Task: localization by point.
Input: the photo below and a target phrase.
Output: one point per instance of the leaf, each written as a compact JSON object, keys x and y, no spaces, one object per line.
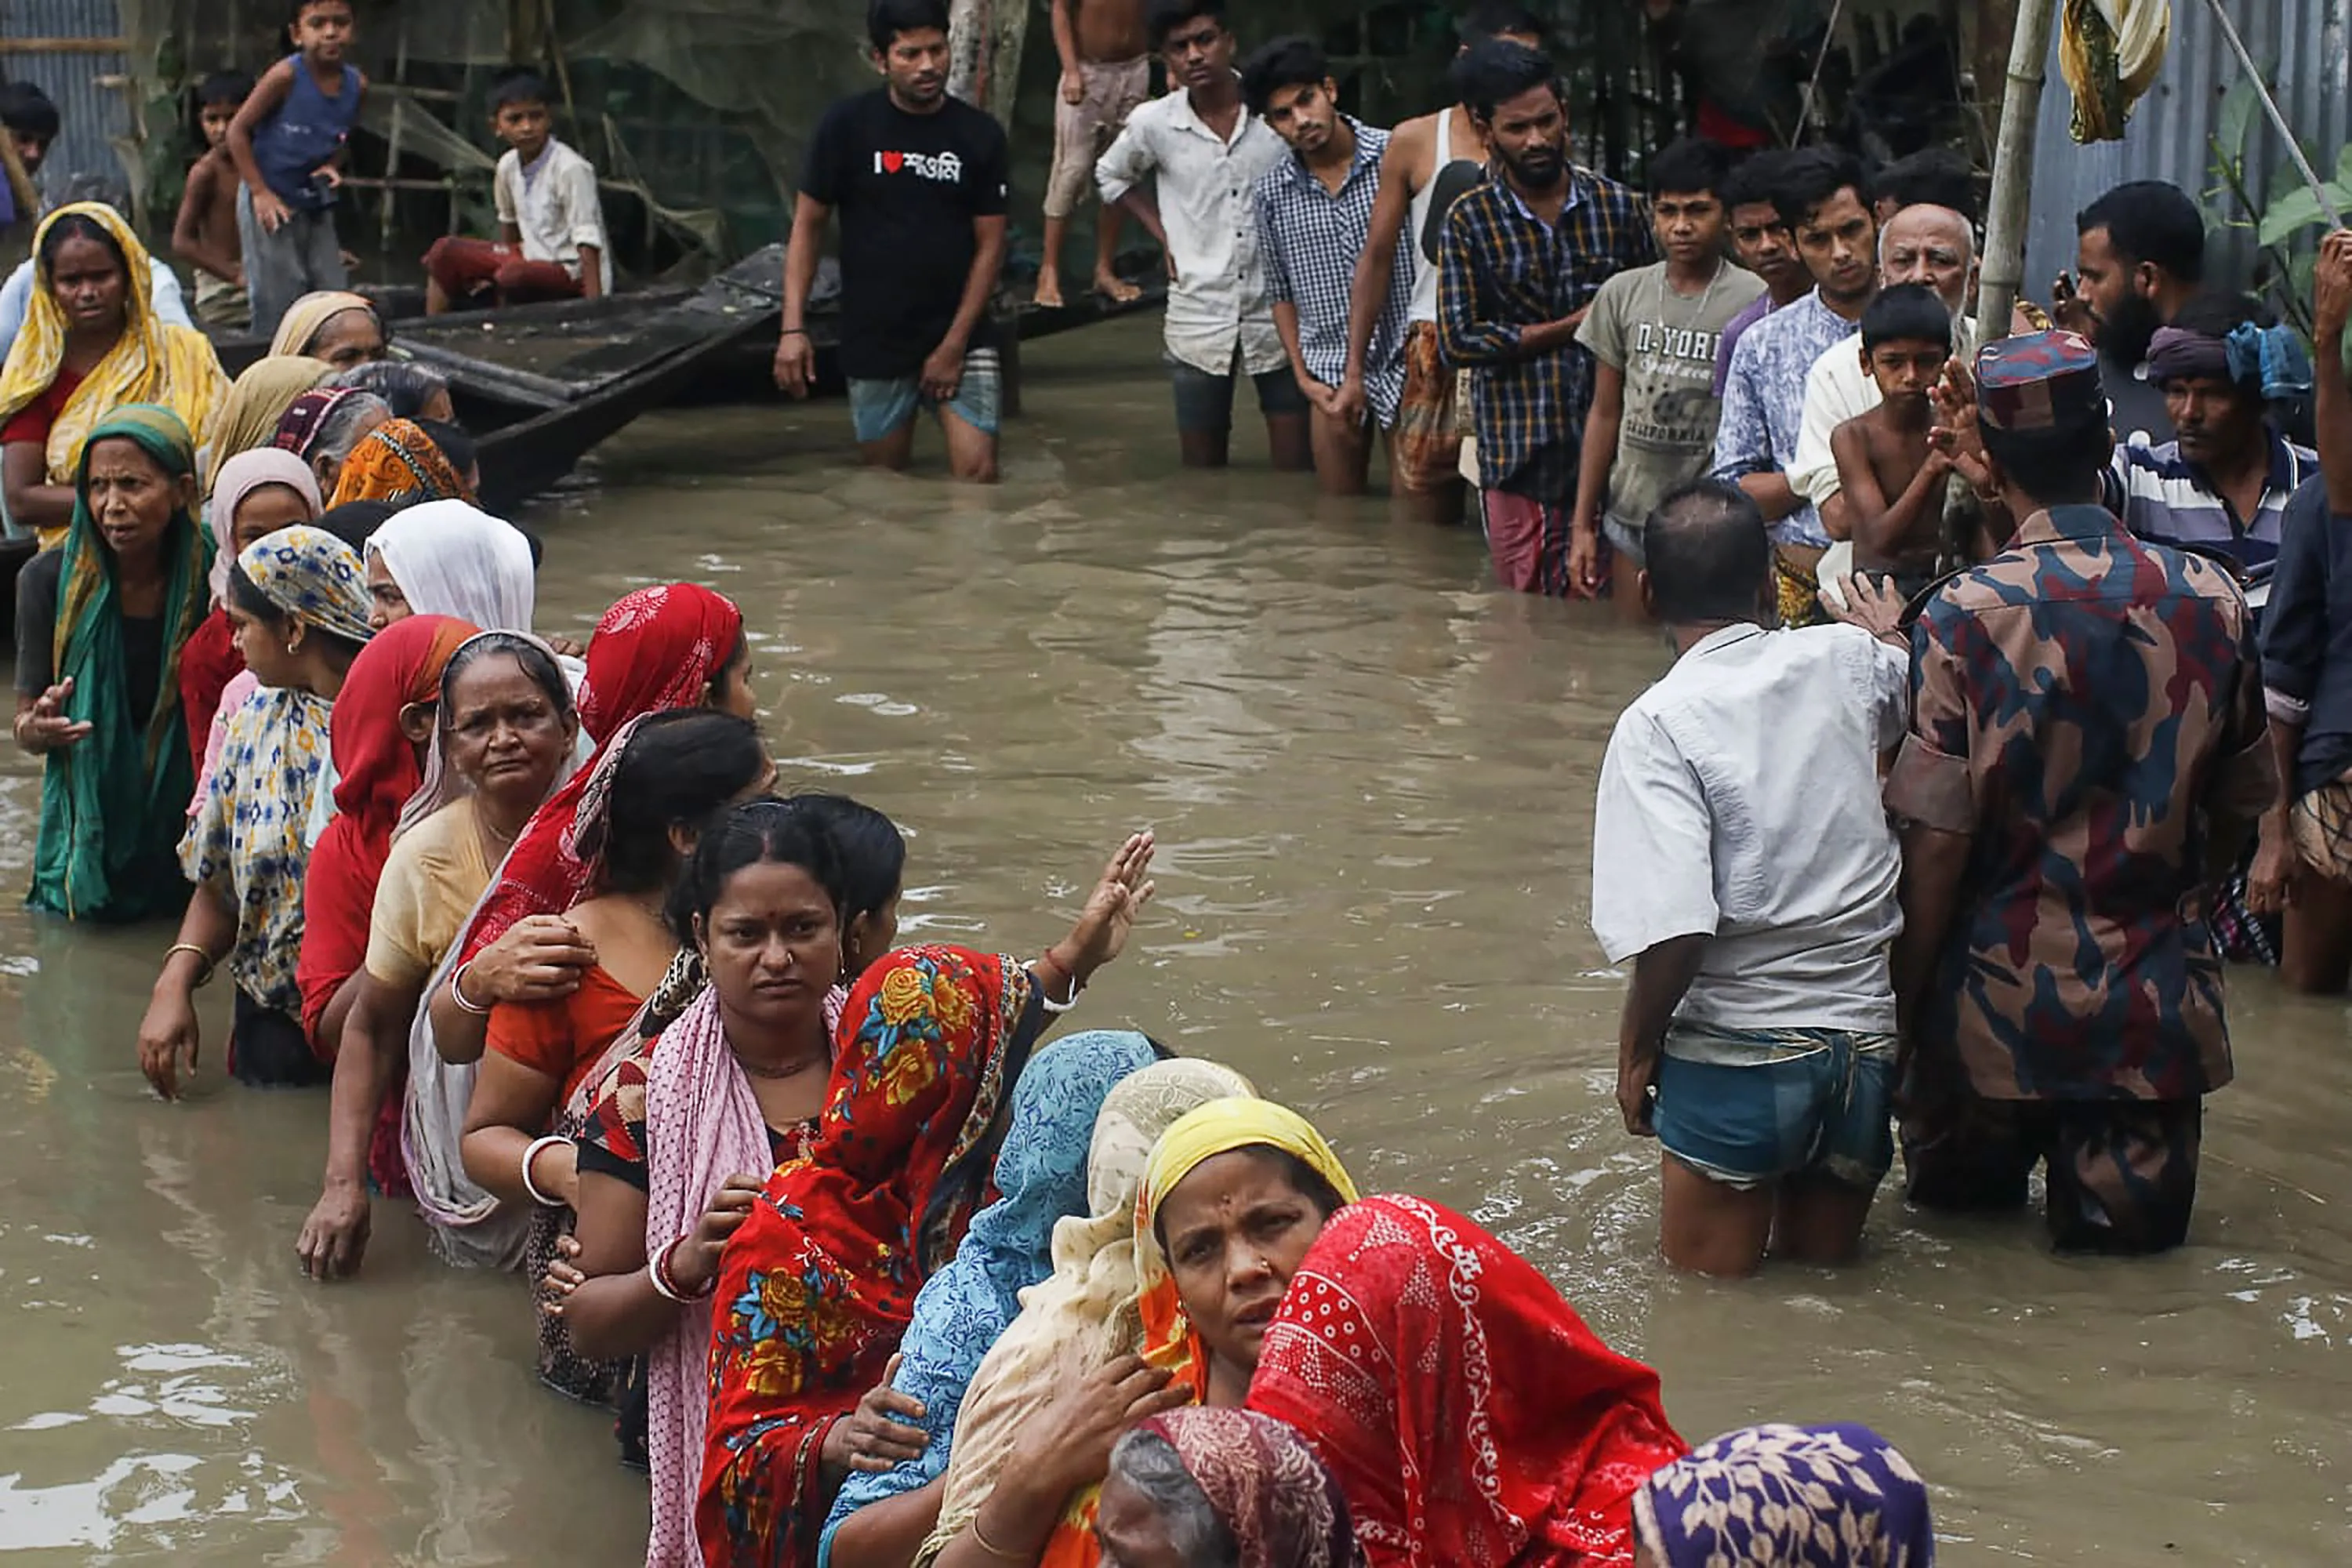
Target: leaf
{"x":2236,"y":117}
{"x":2343,"y":166}
{"x":2299,"y":209}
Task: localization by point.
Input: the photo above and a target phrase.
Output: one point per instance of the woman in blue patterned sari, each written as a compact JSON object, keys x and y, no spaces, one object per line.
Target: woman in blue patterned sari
{"x":299,"y":605}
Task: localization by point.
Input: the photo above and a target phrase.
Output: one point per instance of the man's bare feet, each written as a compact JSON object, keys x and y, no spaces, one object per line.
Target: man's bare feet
{"x":1049,"y":290}
{"x":1117,"y":289}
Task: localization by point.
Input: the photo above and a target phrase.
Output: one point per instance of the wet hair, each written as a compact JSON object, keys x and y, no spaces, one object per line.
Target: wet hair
{"x":405,"y":387}
{"x":1164,"y":16}
{"x":1910,"y":313}
{"x":1150,"y":1464}
{"x":2150,"y":220}
{"x":1750,"y":179}
{"x":456,"y":443}
{"x":341,"y":430}
{"x":1691,"y":167}
{"x":1286,"y":62}
{"x":1493,"y":18}
{"x":80,"y":225}
{"x":764,"y":831}
{"x":25,"y":109}
{"x":529,"y":652}
{"x":1934,"y":176}
{"x":1811,"y":177}
{"x":885,"y":19}
{"x":681,"y":769}
{"x":1707,"y":552}
{"x":248,"y":597}
{"x":873,"y":851}
{"x":355,"y":520}
{"x":1491,"y":73}
{"x":231,"y":87}
{"x":521,"y":85}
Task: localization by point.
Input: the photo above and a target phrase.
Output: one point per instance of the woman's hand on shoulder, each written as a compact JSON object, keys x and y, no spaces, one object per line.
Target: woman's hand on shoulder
{"x":44,"y":726}
{"x":540,"y":958}
{"x":876,"y":1437}
{"x":694,"y":1264}
{"x":1068,"y":1445}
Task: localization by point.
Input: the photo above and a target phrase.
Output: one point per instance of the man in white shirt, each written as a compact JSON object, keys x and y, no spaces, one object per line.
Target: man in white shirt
{"x":1742,"y":861}
{"x":1204,"y":150}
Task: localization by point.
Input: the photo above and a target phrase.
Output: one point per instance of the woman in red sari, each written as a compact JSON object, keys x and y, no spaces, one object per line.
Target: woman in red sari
{"x":1471,"y":1418}
{"x":676,"y":644}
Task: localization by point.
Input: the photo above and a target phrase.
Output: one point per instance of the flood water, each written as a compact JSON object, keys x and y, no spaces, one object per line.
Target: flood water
{"x":1371,"y":777}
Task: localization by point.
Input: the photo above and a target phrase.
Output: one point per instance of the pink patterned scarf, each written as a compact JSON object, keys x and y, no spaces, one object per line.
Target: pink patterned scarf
{"x":703,"y":1125}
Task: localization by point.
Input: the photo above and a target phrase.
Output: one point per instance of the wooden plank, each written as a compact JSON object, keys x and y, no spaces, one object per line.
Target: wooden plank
{"x":63,"y":46}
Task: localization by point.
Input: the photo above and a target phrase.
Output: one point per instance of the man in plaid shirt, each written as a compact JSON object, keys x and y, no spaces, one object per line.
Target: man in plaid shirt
{"x":1313,"y":218}
{"x":1523,"y":257}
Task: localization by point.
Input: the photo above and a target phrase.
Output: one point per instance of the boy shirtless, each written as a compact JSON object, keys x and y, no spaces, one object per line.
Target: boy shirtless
{"x":1893,"y":479}
{"x":205,"y":233}
{"x":1105,"y":75}
{"x":1428,"y":435}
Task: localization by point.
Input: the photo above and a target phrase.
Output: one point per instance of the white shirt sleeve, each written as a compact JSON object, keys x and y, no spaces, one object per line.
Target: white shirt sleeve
{"x":583,"y":206}
{"x":1813,"y":473}
{"x":1128,"y":162}
{"x":1885,"y":673}
{"x":503,"y":194}
{"x":1653,"y":845}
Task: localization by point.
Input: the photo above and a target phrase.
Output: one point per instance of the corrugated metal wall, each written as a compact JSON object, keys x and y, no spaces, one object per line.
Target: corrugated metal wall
{"x":2171,"y":131}
{"x":93,"y":112}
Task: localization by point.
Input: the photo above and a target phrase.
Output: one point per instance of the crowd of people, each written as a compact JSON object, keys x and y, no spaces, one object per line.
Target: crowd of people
{"x":869,"y":1270}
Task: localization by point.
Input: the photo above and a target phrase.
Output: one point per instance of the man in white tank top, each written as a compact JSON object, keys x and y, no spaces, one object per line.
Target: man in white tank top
{"x":1428,"y":435}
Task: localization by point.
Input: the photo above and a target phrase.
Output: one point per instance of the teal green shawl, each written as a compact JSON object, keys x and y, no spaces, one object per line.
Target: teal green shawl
{"x":113,"y":806}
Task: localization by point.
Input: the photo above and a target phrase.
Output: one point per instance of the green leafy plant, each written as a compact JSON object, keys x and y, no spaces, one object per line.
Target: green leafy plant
{"x":2280,"y":212}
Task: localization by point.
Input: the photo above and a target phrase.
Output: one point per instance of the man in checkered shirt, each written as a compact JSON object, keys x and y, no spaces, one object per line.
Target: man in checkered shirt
{"x":1313,"y":218}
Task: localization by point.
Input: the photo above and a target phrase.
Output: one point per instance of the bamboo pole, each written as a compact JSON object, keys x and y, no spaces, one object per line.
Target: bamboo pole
{"x":2278,"y":121}
{"x":2012,"y":167}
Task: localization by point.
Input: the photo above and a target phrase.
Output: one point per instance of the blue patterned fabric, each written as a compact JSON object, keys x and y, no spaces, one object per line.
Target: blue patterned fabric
{"x":1788,"y":1497}
{"x":1041,"y":1176}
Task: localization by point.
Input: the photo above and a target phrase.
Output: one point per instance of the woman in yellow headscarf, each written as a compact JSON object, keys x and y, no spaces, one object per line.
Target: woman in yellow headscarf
{"x":257,"y":399}
{"x":92,"y":344}
{"x":1235,"y":1192}
{"x":337,"y":329}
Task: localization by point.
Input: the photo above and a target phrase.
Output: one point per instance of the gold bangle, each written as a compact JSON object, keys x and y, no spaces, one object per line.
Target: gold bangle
{"x":204,"y":979}
{"x":980,"y":1539}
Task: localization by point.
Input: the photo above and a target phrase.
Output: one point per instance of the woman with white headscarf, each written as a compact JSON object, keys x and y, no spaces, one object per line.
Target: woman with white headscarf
{"x":450,"y":558}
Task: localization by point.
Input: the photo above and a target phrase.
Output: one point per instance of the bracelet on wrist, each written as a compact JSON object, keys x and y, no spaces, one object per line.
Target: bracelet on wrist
{"x":980,"y":1539}
{"x":457,"y":992}
{"x":530,"y":1155}
{"x":662,"y":1271}
{"x":794,"y":332}
{"x":204,"y":976}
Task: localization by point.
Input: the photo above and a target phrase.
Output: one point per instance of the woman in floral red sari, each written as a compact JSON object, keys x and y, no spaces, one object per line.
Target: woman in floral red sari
{"x":816,"y":1289}
{"x":1390,"y":1355}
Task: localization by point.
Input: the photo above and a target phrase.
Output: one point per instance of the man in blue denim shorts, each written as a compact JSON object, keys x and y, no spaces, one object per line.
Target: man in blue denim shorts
{"x":1742,"y":861}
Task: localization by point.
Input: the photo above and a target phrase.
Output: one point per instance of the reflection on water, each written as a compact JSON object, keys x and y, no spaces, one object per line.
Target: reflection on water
{"x":1372,"y":780}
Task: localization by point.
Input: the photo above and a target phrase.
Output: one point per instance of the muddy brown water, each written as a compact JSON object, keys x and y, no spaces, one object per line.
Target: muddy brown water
{"x":1372,"y":780}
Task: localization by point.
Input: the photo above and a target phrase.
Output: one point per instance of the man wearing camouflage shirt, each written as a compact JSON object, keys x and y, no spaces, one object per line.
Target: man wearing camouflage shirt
{"x":2087,"y":746}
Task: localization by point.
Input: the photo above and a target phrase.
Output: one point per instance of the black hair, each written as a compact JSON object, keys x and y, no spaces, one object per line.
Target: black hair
{"x":355,"y":520}
{"x":763,"y":832}
{"x":529,"y":652}
{"x":681,"y":769}
{"x":224,"y":86}
{"x":294,"y":9}
{"x":1933,"y":176}
{"x":1810,"y":176}
{"x":25,"y":109}
{"x":2150,"y":220}
{"x":737,"y":657}
{"x":456,"y":443}
{"x":248,"y":597}
{"x":885,"y":19}
{"x":2056,"y":465}
{"x":406,"y":385}
{"x":873,"y":851}
{"x":1691,"y":167}
{"x":1707,"y":553}
{"x":1164,"y":16}
{"x":1499,"y":70}
{"x":1493,"y":18}
{"x":1909,"y":312}
{"x":1305,"y":1179}
{"x":1751,"y":178}
{"x":2218,"y":313}
{"x":80,"y":225}
{"x":521,"y":85}
{"x":1286,"y":62}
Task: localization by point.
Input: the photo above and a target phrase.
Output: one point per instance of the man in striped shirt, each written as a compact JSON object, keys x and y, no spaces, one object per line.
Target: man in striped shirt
{"x":1314,"y":216}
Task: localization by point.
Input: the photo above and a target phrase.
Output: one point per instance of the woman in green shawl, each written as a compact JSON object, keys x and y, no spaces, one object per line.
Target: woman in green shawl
{"x":101,"y":621}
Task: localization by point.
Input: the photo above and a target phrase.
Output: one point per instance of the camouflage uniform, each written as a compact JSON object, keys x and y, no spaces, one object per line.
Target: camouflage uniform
{"x":2084,"y":705}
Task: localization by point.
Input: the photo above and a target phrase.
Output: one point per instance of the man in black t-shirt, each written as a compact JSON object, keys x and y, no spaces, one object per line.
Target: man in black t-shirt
{"x":920,"y":181}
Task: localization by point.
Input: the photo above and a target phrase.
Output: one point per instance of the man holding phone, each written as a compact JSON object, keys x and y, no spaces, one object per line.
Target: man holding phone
{"x":2139,"y":255}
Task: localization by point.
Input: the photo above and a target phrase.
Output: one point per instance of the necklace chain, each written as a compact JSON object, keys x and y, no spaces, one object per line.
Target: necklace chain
{"x":1699,"y":312}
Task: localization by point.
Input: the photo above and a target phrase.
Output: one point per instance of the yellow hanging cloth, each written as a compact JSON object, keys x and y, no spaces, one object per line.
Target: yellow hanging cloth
{"x":2110,"y":52}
